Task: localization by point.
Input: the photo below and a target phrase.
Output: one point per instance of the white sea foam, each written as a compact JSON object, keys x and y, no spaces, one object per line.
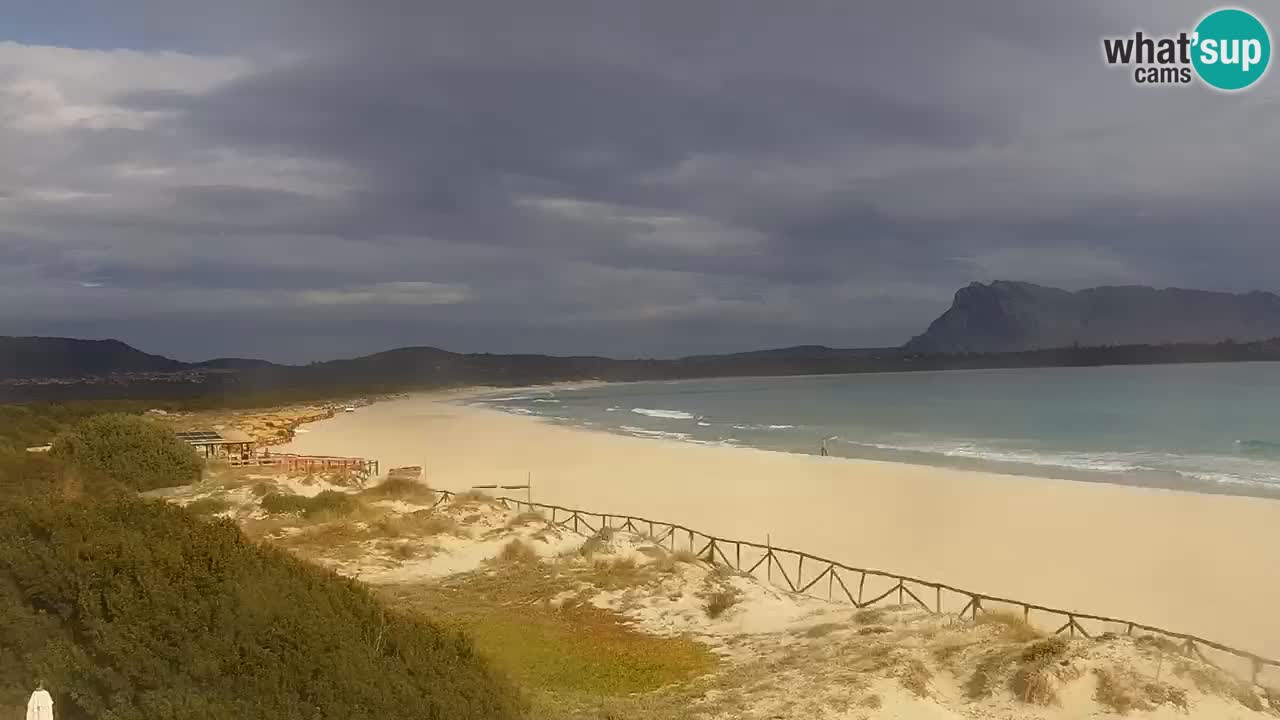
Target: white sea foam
{"x":780,"y":427}
{"x":545,"y":400}
{"x":643,"y":432}
{"x":704,"y":424}
{"x":660,"y":413}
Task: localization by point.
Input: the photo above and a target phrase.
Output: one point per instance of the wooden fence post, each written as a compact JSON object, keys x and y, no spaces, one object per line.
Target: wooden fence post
{"x":768,"y":561}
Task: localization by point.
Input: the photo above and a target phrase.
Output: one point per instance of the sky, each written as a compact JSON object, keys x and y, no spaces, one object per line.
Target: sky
{"x":308,"y":179}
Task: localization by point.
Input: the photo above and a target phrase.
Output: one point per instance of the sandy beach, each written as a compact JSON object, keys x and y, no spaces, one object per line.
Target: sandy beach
{"x":1183,"y":561}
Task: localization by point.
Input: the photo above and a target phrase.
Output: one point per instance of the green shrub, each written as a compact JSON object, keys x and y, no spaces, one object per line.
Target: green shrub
{"x":24,"y":426}
{"x":208,"y":506}
{"x":719,"y":602}
{"x":329,"y":502}
{"x":332,"y":503}
{"x":131,"y":609}
{"x":127,"y":450}
{"x":401,"y":488}
{"x":280,"y":504}
{"x":24,"y":473}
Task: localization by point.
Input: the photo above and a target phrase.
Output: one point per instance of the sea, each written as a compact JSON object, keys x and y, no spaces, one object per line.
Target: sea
{"x":1211,"y":428}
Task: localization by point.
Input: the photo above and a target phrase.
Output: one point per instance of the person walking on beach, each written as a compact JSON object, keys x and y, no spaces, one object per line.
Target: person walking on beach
{"x":40,"y":706}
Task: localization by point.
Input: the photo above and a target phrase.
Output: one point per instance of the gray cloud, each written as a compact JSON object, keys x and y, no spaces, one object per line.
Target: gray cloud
{"x":315,"y":179}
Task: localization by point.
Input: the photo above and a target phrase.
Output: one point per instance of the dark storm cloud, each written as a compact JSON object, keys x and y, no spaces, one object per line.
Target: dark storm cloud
{"x":621,"y":178}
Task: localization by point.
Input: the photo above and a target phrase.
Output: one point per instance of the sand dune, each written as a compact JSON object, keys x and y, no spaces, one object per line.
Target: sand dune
{"x":1194,"y":563}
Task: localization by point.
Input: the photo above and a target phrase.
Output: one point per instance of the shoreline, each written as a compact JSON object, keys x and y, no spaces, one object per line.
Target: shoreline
{"x":1168,"y":558}
{"x":1148,"y":479}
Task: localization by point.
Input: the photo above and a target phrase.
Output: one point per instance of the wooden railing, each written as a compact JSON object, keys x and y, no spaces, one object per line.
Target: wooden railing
{"x":289,"y":462}
{"x":804,"y":573}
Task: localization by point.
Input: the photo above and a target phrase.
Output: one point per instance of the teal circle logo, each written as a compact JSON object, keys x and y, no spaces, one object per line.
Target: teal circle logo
{"x":1232,"y":49}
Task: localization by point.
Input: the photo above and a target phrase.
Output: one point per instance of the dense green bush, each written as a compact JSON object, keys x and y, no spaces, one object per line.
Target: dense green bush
{"x":135,"y":610}
{"x":208,"y":506}
{"x":275,"y":503}
{"x":128,"y":450}
{"x":24,"y":473}
{"x":329,"y":502}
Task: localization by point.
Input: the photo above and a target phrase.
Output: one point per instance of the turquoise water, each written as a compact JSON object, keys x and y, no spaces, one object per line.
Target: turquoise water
{"x":1206,"y":428}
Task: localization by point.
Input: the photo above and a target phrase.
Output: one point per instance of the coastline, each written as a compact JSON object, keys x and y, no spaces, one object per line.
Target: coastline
{"x":1164,"y":557}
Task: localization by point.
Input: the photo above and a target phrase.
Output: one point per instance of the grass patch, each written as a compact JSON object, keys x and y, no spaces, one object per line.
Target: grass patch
{"x":611,"y":574}
{"x":1213,"y":681}
{"x":400,"y":488}
{"x":597,"y":543}
{"x":327,"y":536}
{"x":1120,"y":692}
{"x":528,"y":517}
{"x":275,"y":503}
{"x":948,"y":653}
{"x":1047,"y":650}
{"x":1125,"y":691}
{"x":987,"y":676}
{"x":518,"y":551}
{"x":587,"y":650}
{"x":262,"y":488}
{"x":684,"y":556}
{"x":577,"y":654}
{"x":403,"y":551}
{"x":822,"y":630}
{"x":718,"y":603}
{"x":871,"y":702}
{"x":329,"y":504}
{"x":420,"y":523}
{"x":869,"y":616}
{"x":1010,"y":626}
{"x":207,"y":506}
{"x":1030,"y":671}
{"x":914,"y":675}
{"x":1035,"y":685}
{"x":1159,"y":643}
{"x":668,"y":563}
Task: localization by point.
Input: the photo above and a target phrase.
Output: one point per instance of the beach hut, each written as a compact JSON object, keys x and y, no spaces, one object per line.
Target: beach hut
{"x":229,"y":443}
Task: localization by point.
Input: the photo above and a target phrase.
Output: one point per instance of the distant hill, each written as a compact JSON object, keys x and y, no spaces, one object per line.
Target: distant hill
{"x":1000,"y":325}
{"x":32,"y":357}
{"x":1014,"y":316}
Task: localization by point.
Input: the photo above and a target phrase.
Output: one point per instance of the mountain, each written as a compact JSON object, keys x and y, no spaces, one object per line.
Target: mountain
{"x":1000,"y":325}
{"x":33,"y":357}
{"x":1008,"y":316}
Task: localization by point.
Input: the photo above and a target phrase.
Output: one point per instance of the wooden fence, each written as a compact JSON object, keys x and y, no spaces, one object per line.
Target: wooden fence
{"x":803,"y":573}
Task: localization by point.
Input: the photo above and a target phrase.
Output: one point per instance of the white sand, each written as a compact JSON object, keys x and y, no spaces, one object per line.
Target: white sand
{"x":1195,"y":563}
